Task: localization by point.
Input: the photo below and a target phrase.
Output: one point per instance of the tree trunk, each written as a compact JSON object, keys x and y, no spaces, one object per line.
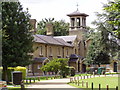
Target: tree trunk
{"x":5,"y":77}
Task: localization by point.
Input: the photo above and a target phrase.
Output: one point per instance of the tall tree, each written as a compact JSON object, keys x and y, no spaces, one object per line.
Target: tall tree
{"x":60,"y":27}
{"x":108,"y":44}
{"x":113,"y":11}
{"x":16,"y":38}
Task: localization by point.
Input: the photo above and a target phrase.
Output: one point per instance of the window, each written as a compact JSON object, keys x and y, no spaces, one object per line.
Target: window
{"x":58,"y":51}
{"x":40,"y":50}
{"x":50,"y":53}
{"x":67,"y":51}
{"x":75,"y":51}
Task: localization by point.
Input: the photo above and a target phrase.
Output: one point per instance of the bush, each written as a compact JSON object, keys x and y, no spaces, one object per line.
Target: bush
{"x":88,"y":69}
{"x":72,"y":69}
{"x":22,"y":69}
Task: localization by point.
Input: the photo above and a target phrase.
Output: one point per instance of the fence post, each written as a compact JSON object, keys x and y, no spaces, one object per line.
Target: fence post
{"x":34,"y":79}
{"x":78,"y":82}
{"x":74,"y":78}
{"x":87,"y":76}
{"x":84,"y":77}
{"x":30,"y":80}
{"x":92,"y":85}
{"x":46,"y":78}
{"x":78,"y":78}
{"x":26,"y":81}
{"x":86,"y":84}
{"x":82,"y":84}
{"x":39,"y":78}
{"x":107,"y":87}
{"x":99,"y":86}
{"x":116,"y":87}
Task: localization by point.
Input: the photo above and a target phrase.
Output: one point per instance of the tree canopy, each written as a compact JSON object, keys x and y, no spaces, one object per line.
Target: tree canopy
{"x":57,"y":65}
{"x":60,"y":28}
{"x":16,"y":37}
{"x":105,"y":42}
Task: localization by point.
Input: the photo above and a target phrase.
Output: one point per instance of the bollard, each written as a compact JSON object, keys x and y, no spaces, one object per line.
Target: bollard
{"x":70,"y":80}
{"x":34,"y":79}
{"x":75,"y":81}
{"x":81,"y":77}
{"x":87,"y":76}
{"x":82,"y":84}
{"x":46,"y":78}
{"x":78,"y":82}
{"x":86,"y":84}
{"x":74,"y":78}
{"x":92,"y":86}
{"x":22,"y":85}
{"x":99,"y":86}
{"x":107,"y":87}
{"x":26,"y":81}
{"x":77,"y":78}
{"x":116,"y":87}
{"x":38,"y":78}
{"x":30,"y":80}
{"x":84,"y":77}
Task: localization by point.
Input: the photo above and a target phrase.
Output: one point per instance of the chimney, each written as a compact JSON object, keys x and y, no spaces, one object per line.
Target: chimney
{"x":33,"y":24}
{"x":49,"y":29}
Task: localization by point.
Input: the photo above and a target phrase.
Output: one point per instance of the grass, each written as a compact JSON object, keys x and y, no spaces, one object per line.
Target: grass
{"x":111,"y":81}
{"x":82,"y":75}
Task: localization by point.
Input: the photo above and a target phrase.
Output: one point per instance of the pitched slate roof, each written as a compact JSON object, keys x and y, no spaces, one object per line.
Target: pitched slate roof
{"x":77,"y":13}
{"x":67,"y":38}
{"x":50,"y":40}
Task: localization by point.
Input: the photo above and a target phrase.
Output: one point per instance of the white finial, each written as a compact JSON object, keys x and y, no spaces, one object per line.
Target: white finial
{"x":77,"y":6}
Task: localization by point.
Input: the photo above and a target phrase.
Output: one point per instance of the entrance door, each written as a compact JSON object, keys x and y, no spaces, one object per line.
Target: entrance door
{"x":115,"y":67}
{"x":83,"y":68}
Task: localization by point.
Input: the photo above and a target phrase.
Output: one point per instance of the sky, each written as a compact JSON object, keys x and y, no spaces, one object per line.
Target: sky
{"x":58,"y":9}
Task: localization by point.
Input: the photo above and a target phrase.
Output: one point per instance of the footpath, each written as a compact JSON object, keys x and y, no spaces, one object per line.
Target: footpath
{"x":55,"y":84}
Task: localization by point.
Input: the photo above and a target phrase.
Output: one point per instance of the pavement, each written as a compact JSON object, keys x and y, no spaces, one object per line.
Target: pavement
{"x":55,"y":84}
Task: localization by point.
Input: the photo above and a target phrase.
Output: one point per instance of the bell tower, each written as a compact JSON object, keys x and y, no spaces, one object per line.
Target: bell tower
{"x":77,"y":23}
{"x":78,"y":28}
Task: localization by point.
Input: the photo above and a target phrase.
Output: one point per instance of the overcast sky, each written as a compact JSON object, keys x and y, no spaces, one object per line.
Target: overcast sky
{"x":40,"y":9}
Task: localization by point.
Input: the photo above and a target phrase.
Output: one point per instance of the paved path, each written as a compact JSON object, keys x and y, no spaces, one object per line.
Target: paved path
{"x":55,"y":84}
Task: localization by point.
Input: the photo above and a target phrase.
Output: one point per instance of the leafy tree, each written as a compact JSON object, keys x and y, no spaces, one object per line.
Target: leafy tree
{"x":57,"y":65}
{"x":17,"y":40}
{"x":113,"y":11}
{"x":106,"y":45}
{"x":60,"y":27}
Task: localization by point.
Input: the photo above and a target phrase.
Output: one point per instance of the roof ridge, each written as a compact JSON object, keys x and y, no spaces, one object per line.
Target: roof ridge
{"x":41,"y":39}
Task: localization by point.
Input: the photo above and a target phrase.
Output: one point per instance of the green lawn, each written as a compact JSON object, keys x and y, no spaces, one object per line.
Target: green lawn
{"x":111,"y":81}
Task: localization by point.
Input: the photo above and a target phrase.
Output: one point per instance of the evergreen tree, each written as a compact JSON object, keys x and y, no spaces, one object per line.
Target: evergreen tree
{"x":16,"y":37}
